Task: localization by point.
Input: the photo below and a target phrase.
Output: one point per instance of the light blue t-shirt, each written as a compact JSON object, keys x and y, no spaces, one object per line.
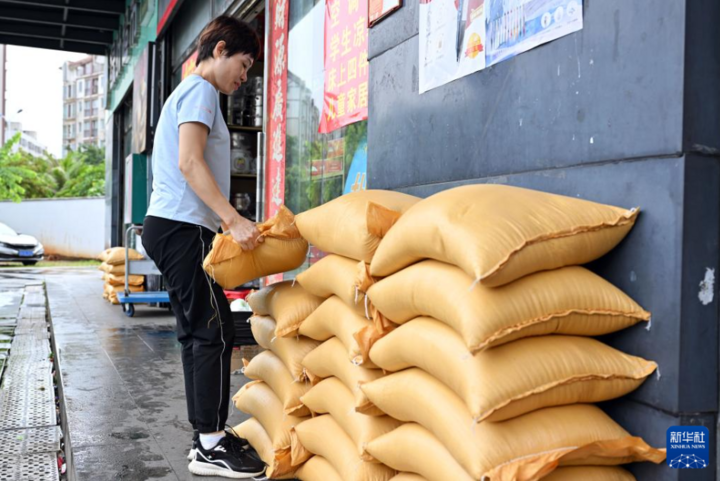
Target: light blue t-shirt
{"x":194,"y":100}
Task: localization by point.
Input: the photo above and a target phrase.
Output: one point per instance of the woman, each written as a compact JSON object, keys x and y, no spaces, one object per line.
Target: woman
{"x":189,"y":204}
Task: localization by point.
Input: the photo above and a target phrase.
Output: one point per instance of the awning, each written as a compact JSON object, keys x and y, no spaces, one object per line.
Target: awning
{"x":84,"y":26}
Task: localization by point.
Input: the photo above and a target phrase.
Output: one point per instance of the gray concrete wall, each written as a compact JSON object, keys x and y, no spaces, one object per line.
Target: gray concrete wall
{"x":67,"y":227}
{"x":623,"y":112}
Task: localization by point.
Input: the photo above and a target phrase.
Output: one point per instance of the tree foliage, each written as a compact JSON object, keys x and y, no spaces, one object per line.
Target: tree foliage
{"x":80,"y":173}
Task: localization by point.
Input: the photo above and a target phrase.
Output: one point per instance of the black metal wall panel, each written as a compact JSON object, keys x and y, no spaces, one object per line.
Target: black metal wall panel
{"x":612,"y":91}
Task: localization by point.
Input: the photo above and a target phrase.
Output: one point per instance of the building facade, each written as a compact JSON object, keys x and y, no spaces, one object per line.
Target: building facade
{"x":28,"y":139}
{"x":84,"y":102}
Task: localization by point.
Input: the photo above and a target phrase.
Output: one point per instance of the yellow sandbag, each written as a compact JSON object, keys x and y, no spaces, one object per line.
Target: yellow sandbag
{"x":286,"y":302}
{"x":116,"y":256}
{"x":590,"y":473}
{"x":282,"y":250}
{"x":278,"y":461}
{"x":323,"y":436}
{"x":109,"y":288}
{"x":353,"y":225}
{"x":317,"y":469}
{"x":118,"y":270}
{"x":102,"y":257}
{"x":259,"y":401}
{"x":516,"y":378}
{"x":335,"y":318}
{"x":330,"y":359}
{"x":332,"y":275}
{"x":414,"y":449}
{"x":290,"y":350}
{"x":425,"y":453}
{"x":269,"y":368}
{"x":571,"y":301}
{"x":332,"y":397}
{"x":119,"y":280}
{"x":480,"y":448}
{"x":498,"y":233}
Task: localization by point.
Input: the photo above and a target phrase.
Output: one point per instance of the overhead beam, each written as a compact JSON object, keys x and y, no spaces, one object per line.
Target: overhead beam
{"x":51,"y":44}
{"x":55,"y":32}
{"x":55,"y":17}
{"x":99,"y":6}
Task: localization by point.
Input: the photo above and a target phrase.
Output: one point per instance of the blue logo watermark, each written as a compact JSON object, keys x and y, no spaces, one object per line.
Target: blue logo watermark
{"x":688,"y":447}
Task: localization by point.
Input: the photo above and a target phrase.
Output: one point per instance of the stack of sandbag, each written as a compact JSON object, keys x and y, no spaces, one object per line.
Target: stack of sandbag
{"x":113,"y":268}
{"x":492,"y":368}
{"x":283,"y":249}
{"x":348,"y":229}
{"x":279,"y":379}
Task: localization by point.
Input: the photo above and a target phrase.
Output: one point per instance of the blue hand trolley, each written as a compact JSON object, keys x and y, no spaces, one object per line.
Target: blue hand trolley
{"x":142,"y":268}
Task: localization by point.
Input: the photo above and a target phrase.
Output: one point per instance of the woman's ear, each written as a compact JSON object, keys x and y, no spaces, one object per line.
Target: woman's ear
{"x":219,"y":49}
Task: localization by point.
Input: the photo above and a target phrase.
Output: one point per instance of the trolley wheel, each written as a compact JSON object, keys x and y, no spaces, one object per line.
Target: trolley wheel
{"x":128,"y":309}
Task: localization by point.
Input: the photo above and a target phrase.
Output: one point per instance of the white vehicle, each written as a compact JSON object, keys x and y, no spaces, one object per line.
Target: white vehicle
{"x":15,"y":247}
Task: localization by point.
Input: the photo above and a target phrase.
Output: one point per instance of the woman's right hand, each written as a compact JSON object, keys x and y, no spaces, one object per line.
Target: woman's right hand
{"x":245,"y":233}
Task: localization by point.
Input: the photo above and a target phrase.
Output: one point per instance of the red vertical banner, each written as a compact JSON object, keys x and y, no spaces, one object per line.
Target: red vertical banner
{"x":346,"y":65}
{"x":277,"y":107}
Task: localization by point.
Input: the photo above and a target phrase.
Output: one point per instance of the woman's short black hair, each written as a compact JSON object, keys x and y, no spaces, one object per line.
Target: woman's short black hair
{"x":239,"y":37}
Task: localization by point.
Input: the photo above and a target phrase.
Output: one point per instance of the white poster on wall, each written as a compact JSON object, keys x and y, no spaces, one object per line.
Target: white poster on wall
{"x":452,"y":40}
{"x":460,"y":37}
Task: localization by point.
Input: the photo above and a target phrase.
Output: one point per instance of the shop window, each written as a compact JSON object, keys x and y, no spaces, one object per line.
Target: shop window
{"x":317,"y":165}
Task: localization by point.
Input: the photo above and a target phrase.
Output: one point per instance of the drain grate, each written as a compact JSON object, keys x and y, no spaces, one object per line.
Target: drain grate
{"x":27,"y":408}
{"x":17,"y":442}
{"x":32,"y":467}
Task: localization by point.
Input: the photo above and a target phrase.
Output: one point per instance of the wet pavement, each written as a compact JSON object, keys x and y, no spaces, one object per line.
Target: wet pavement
{"x":123,"y":380}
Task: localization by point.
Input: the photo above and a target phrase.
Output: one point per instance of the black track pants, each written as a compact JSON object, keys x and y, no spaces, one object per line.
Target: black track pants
{"x":205,"y":327}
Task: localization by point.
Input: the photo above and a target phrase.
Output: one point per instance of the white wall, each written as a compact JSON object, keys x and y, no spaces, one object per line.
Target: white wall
{"x":67,"y":227}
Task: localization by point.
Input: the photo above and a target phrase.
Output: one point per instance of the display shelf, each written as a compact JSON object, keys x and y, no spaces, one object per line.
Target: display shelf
{"x":240,"y":128}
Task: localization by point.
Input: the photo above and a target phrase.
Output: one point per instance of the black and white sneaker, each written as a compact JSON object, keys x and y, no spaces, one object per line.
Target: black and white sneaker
{"x":195,"y":442}
{"x":227,"y":460}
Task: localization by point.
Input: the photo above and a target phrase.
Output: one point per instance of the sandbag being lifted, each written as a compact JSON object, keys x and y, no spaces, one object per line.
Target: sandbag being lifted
{"x":516,"y":378}
{"x":571,"y":301}
{"x":283,"y":249}
{"x":535,"y":440}
{"x":353,"y":225}
{"x":287,"y":303}
{"x":498,"y":233}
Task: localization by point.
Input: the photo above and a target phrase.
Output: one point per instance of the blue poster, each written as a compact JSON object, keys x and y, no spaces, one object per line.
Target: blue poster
{"x":357,"y":175}
{"x":516,"y":26}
